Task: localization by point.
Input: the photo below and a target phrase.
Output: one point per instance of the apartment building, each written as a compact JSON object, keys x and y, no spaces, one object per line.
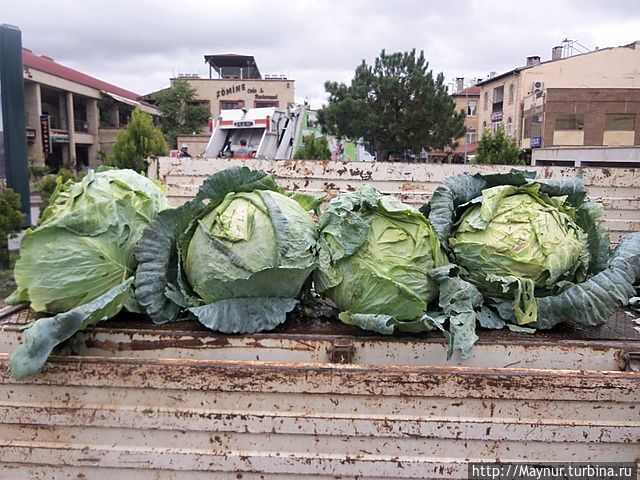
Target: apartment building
{"x":467,"y":100}
{"x":538,"y":102}
{"x":72,"y":118}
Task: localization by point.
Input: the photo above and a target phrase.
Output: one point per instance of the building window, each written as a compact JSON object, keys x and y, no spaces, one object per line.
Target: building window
{"x":231,"y":104}
{"x":267,"y":103}
{"x":471,"y":137}
{"x":569,"y":121}
{"x":621,"y":122}
{"x":486,"y":100}
{"x":471,"y":108}
{"x":498,"y":97}
{"x":532,"y":126}
{"x":509,"y":126}
{"x":512,"y":92}
{"x":484,"y":125}
{"x":495,"y":126}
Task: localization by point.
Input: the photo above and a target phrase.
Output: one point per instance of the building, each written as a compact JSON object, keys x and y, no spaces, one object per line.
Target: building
{"x":607,"y":117}
{"x":239,"y":84}
{"x":72,"y":118}
{"x":466,"y":100}
{"x":601,"y":84}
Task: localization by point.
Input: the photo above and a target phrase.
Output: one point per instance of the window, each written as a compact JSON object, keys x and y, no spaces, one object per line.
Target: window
{"x":621,"y":122}
{"x":512,"y":92}
{"x":484,"y":125}
{"x":486,"y":100}
{"x":498,"y":97}
{"x":471,"y":137}
{"x":496,"y":126}
{"x":569,"y":121}
{"x":532,"y":126}
{"x":471,"y":108}
{"x":267,"y":103}
{"x":231,"y":104}
{"x":509,"y":126}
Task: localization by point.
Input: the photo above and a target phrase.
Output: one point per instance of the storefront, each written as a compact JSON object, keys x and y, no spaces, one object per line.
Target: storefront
{"x":240,"y":85}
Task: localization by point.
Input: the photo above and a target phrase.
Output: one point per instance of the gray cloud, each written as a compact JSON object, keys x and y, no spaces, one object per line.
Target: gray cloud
{"x":140,"y":45}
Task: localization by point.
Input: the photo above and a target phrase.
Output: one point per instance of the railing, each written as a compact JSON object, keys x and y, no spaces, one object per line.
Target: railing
{"x":54,"y":122}
{"x":80,"y":126}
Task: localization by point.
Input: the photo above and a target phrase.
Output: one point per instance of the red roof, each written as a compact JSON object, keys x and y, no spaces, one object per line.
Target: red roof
{"x":48,"y":65}
{"x":471,"y":148}
{"x":468,"y":91}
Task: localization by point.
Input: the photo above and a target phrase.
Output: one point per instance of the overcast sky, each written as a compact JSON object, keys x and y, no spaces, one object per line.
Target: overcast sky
{"x":139,"y":45}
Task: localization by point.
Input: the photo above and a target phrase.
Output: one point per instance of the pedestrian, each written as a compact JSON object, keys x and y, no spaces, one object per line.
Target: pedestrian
{"x":184,"y":151}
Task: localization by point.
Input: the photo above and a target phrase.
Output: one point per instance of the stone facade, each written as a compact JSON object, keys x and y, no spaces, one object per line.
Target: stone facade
{"x":610,"y":68}
{"x":248,"y":93}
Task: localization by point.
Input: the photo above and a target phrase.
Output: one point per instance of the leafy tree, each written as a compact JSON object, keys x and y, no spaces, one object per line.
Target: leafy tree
{"x":313,"y":149}
{"x":396,"y":104}
{"x":139,"y":141}
{"x":11,"y":218}
{"x":181,"y":113}
{"x":497,"y":149}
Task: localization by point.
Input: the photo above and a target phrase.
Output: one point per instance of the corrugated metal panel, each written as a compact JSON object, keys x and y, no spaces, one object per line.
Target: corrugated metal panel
{"x":181,"y":402}
{"x":616,"y":188}
{"x":300,"y":419}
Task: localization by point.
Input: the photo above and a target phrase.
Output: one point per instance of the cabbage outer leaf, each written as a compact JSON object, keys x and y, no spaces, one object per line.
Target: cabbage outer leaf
{"x":45,"y":333}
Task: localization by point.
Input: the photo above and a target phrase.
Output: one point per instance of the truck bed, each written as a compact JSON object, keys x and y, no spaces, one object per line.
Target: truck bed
{"x":316,"y":398}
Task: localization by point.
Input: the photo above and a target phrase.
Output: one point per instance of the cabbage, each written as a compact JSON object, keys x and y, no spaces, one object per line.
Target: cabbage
{"x":235,"y":257}
{"x":79,"y":262}
{"x":381,"y":263}
{"x":517,"y":241}
{"x":537,"y":250}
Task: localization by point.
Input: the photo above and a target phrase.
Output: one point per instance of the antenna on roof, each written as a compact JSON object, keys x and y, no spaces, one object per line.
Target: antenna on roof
{"x":572,"y":47}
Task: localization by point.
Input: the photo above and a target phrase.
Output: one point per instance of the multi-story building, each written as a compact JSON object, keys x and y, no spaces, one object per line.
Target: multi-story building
{"x":466,"y":100}
{"x":72,"y":118}
{"x":594,"y":91}
{"x":239,"y":85}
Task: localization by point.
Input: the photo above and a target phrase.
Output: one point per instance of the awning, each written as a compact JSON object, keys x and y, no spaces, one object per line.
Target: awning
{"x":133,"y":103}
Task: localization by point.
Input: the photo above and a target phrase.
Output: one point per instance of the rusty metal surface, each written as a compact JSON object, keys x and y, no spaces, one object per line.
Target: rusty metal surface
{"x":135,"y":400}
{"x":276,"y":418}
{"x":617,"y":189}
{"x":327,"y":340}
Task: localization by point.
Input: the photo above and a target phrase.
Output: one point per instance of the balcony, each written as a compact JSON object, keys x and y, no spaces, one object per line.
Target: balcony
{"x":55,"y":123}
{"x":80,"y":126}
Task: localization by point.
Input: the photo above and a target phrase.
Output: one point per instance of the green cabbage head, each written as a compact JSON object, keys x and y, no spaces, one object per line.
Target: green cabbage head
{"x":254,"y":244}
{"x":79,"y":262}
{"x":236,"y":257}
{"x":375,"y":253}
{"x":515,"y":243}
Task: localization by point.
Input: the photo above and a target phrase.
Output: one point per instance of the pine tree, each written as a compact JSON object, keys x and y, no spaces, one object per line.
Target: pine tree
{"x":396,"y":105}
{"x":497,"y":149}
{"x":135,"y":144}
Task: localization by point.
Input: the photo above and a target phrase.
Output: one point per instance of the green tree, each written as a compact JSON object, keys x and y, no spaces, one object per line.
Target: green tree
{"x":396,"y":104}
{"x":497,"y":149}
{"x":313,"y":149}
{"x":181,"y":112}
{"x":139,"y":141}
{"x":11,"y":218}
